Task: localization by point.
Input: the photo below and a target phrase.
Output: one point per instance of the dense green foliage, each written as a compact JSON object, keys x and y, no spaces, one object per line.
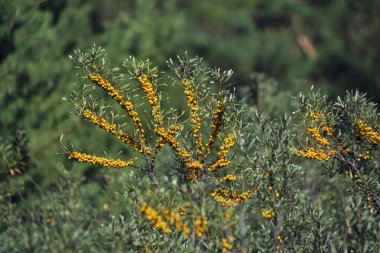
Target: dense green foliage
{"x":276,"y":49}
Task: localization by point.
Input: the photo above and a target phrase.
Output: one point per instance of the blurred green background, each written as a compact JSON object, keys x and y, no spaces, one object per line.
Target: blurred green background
{"x":331,"y":44}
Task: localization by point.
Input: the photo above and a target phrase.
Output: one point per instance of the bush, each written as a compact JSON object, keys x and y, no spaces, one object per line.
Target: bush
{"x":220,"y":176}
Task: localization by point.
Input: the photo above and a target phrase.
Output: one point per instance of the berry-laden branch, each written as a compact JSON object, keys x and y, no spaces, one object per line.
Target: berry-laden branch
{"x":346,"y":142}
{"x":198,"y":162}
{"x":200,"y":137}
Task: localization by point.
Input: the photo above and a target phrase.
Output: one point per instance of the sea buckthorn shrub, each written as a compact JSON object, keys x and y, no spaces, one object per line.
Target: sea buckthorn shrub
{"x":192,"y":148}
{"x":203,"y":172}
{"x":206,"y":172}
{"x":195,"y":178}
{"x":345,"y":137}
{"x":346,"y":173}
